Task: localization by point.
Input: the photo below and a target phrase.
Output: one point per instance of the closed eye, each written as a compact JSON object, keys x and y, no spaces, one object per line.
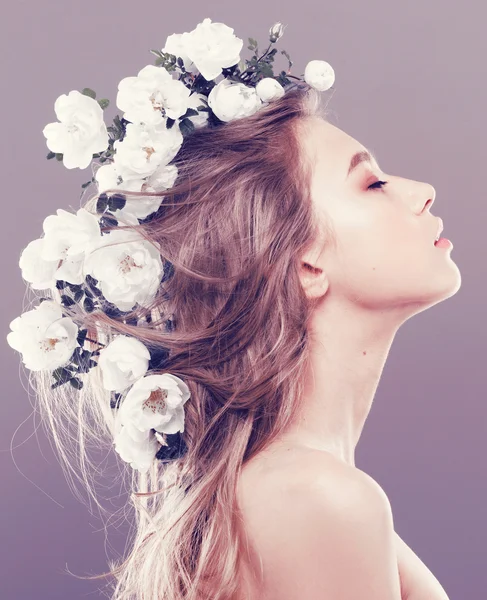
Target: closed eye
{"x":377,"y":185}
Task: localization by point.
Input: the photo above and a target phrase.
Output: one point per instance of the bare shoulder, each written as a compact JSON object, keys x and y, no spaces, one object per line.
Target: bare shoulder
{"x":319,"y":527}
{"x":293,"y":469}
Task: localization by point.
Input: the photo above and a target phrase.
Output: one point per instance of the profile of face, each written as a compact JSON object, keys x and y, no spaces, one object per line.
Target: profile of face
{"x":384,"y":258}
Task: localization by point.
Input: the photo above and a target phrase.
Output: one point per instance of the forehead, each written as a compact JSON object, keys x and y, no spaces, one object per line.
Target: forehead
{"x":328,"y":148}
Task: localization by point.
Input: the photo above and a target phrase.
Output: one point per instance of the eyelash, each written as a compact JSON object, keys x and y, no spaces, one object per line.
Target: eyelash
{"x":381,"y":184}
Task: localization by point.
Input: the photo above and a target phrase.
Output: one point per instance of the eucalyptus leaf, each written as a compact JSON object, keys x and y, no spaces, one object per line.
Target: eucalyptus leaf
{"x":104,"y":102}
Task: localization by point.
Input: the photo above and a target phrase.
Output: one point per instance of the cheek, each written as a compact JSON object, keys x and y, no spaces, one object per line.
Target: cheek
{"x":380,"y":263}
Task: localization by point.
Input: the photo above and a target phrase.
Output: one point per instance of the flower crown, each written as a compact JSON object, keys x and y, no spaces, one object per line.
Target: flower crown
{"x":77,"y":259}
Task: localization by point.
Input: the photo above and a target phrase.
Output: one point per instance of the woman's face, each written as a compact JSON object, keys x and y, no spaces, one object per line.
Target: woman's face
{"x":384,"y":253}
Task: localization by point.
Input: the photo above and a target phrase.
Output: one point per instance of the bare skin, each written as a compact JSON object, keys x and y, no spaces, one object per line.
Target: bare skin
{"x":383,"y":270}
{"x":268,"y":474}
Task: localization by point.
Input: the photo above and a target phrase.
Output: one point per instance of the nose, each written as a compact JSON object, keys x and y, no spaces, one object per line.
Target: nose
{"x":430,"y":195}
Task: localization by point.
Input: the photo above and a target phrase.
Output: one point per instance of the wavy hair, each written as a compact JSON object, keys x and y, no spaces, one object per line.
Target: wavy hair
{"x":232,"y":229}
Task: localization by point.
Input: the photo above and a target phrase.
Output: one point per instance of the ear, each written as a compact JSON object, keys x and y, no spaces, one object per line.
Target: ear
{"x":314,"y":280}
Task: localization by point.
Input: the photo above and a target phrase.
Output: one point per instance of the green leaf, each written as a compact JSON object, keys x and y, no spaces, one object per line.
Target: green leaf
{"x":265,"y":70}
{"x":66,"y":300}
{"x":191,"y":112}
{"x":76,"y":383}
{"x":78,"y":295}
{"x":102,"y":203}
{"x":59,"y":156}
{"x":82,"y":336}
{"x":88,"y":304}
{"x":180,"y":62}
{"x":116,"y":202}
{"x":89,"y":92}
{"x":61,"y":374}
{"x":51,"y":155}
{"x":156,"y":53}
{"x":186,"y":126}
{"x":104,"y":102}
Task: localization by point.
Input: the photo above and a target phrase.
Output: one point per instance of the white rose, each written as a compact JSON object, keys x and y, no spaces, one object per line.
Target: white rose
{"x":122,"y":362}
{"x":81,"y":132}
{"x":174,"y":45}
{"x":269,"y":89}
{"x":66,"y":236}
{"x":128,"y":268}
{"x":212,"y":47}
{"x":146,"y":149}
{"x":135,"y":447}
{"x":163,"y":178}
{"x":45,"y":338}
{"x":141,"y":207}
{"x":69,"y":234}
{"x":142,"y":97}
{"x":233,"y":100}
{"x":108,"y":178}
{"x":155,"y":402}
{"x":319,"y":74}
{"x":38,"y":272}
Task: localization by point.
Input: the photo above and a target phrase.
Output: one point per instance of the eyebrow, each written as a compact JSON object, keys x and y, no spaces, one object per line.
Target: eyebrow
{"x":359,"y":157}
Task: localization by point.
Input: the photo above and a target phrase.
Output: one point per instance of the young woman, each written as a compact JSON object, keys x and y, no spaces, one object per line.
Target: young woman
{"x":291,"y":260}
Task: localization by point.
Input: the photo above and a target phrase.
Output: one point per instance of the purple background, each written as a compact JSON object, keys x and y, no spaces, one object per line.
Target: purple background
{"x":411,"y":85}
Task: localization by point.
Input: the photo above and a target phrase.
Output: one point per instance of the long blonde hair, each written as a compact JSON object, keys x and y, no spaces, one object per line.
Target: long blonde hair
{"x":233,"y":228}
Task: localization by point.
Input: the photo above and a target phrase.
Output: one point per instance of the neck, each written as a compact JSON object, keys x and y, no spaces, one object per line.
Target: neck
{"x":349,"y":347}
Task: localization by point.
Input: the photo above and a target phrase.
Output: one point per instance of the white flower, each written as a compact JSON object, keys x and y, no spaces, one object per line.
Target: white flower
{"x":319,"y":75}
{"x":81,"y":132}
{"x":122,"y":362}
{"x":128,"y":268}
{"x":164,"y":178}
{"x":269,"y":89}
{"x":135,"y":447}
{"x":146,"y":149}
{"x":45,"y":338}
{"x":212,"y":47}
{"x":38,"y":272}
{"x":66,"y":236}
{"x":174,"y":45}
{"x":201,"y":118}
{"x":276,"y":32}
{"x":232,"y":100}
{"x":155,"y":402}
{"x":142,"y":97}
{"x":108,"y":177}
